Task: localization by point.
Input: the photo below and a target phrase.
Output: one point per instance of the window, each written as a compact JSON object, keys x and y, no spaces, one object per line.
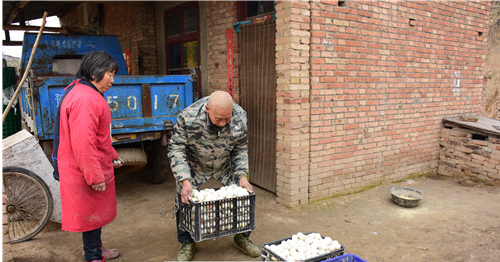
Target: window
{"x":66,"y":65}
{"x":249,"y":9}
{"x":182,"y":38}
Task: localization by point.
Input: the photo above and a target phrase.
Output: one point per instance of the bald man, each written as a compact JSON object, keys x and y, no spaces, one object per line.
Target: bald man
{"x":210,"y":140}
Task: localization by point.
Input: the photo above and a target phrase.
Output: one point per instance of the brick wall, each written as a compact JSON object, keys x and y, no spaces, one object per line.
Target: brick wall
{"x":221,"y":16}
{"x":383,"y":75}
{"x":134,"y":23}
{"x":469,"y":154}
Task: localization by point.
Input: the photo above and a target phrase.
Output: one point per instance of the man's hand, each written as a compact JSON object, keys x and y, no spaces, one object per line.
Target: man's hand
{"x":244,"y":183}
{"x":186,"y":191}
{"x":99,"y":187}
{"x":118,"y":162}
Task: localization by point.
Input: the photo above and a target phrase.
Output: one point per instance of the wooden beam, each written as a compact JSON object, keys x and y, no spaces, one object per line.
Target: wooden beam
{"x":7,"y":35}
{"x":33,"y":28}
{"x":12,"y":43}
{"x":16,"y":11}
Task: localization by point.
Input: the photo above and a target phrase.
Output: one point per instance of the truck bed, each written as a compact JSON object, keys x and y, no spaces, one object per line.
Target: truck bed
{"x":139,"y":104}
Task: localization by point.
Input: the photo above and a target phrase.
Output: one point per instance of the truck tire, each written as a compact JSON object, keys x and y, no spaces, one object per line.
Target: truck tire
{"x":158,"y":169}
{"x":133,"y":158}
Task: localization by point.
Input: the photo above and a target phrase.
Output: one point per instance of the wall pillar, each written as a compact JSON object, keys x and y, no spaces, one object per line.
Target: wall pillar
{"x":292,"y":101}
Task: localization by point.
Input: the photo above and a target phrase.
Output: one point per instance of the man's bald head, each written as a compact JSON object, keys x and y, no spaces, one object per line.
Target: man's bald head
{"x":220,"y":99}
{"x":220,"y":108}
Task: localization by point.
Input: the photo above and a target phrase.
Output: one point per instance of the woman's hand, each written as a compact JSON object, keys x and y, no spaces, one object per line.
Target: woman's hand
{"x":99,"y":187}
{"x":118,"y":162}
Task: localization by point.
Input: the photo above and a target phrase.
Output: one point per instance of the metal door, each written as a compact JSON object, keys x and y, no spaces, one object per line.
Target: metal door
{"x":258,"y":98}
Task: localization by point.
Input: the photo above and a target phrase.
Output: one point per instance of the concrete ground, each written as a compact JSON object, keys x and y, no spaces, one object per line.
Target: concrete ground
{"x":454,"y":222}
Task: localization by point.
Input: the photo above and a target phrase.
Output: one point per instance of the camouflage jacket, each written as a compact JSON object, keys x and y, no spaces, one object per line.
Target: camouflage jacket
{"x":198,"y":150}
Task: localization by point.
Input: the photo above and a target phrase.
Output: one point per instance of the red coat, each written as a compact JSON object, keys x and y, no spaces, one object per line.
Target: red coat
{"x":85,"y":158}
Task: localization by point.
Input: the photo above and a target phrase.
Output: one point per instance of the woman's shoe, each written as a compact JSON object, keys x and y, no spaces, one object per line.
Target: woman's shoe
{"x":109,"y":253}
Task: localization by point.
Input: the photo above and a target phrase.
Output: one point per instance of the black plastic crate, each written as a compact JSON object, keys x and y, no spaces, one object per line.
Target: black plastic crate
{"x":268,"y":255}
{"x":218,"y":218}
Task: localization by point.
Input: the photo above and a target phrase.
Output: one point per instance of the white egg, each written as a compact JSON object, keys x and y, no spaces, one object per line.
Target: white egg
{"x":309,"y":240}
{"x":328,"y":240}
{"x":301,"y":249}
{"x":301,"y":236}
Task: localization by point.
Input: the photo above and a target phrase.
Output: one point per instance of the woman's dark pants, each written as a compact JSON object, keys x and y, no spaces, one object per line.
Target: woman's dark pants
{"x":92,"y":244}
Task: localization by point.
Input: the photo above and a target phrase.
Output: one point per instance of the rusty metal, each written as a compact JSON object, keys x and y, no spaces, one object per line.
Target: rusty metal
{"x":11,"y":208}
{"x":258,"y":98}
{"x":146,"y":101}
{"x":57,"y":45}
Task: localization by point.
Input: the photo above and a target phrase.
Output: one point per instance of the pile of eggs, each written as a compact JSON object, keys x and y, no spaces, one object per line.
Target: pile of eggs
{"x":209,"y":213}
{"x":302,"y":247}
{"x":211,"y":194}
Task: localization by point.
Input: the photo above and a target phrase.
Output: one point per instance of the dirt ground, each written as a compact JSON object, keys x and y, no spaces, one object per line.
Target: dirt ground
{"x":454,"y":222}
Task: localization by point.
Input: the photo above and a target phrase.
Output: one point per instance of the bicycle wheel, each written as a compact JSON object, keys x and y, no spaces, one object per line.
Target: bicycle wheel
{"x":28,"y":203}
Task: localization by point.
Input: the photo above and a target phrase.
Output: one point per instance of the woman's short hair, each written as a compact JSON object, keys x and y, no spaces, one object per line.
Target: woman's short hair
{"x":95,"y":64}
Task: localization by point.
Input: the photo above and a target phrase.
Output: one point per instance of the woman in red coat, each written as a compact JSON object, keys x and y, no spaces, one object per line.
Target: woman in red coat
{"x":85,"y":156}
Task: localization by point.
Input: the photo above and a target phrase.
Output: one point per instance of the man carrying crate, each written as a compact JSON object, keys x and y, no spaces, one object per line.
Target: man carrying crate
{"x":210,"y":140}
